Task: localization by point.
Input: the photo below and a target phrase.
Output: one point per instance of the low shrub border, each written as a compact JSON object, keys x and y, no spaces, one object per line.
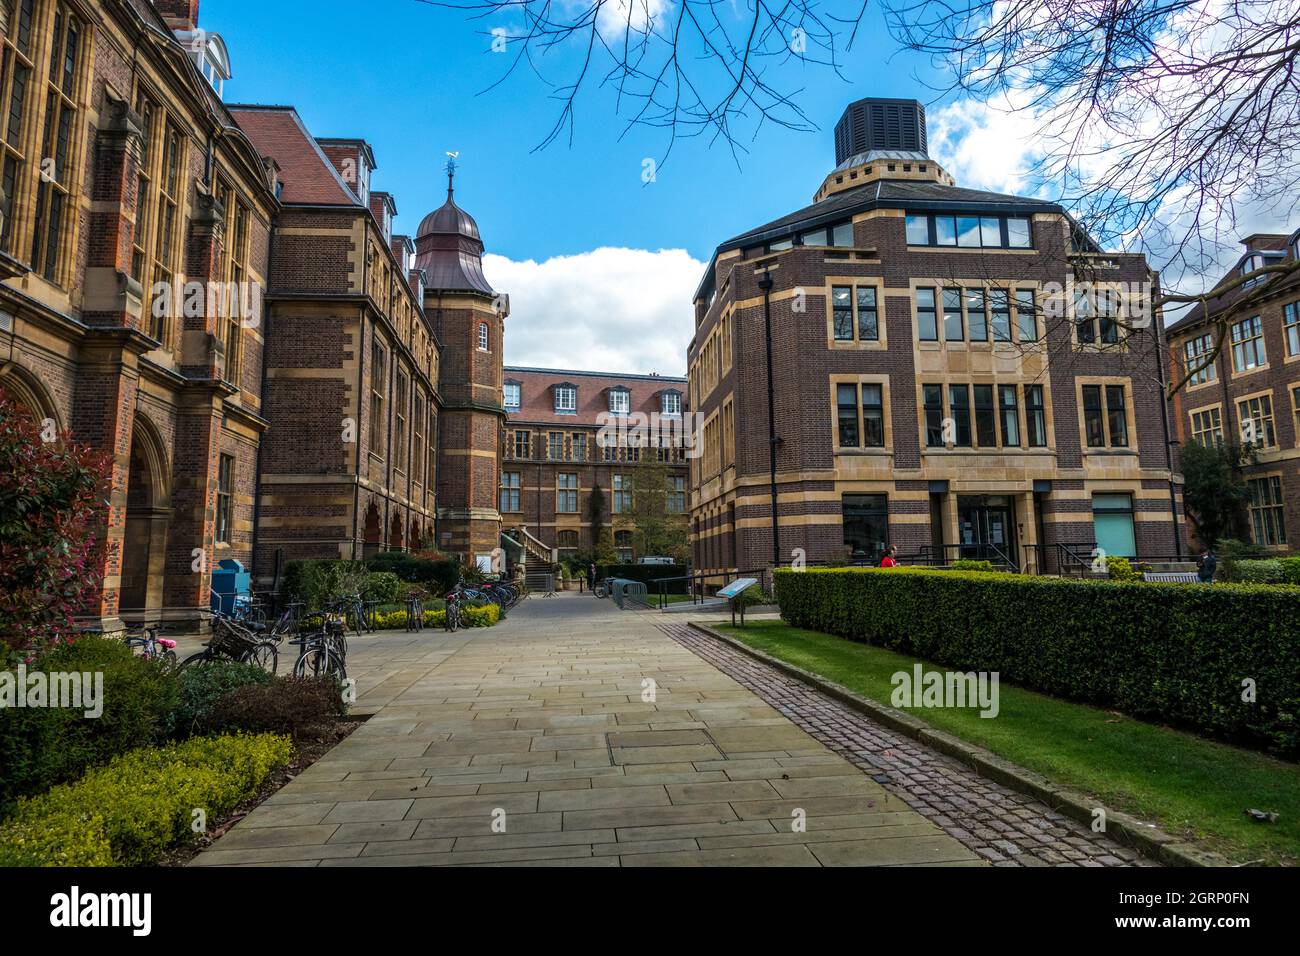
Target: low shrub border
{"x":301,"y":708}
{"x":1167,"y":652}
{"x":44,"y":746}
{"x":483,"y":616}
{"x":203,"y":685}
{"x":131,"y":811}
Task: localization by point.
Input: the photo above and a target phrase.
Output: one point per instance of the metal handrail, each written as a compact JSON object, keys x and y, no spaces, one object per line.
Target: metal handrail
{"x":1066,"y":550}
{"x":984,"y":551}
{"x":703,"y":579}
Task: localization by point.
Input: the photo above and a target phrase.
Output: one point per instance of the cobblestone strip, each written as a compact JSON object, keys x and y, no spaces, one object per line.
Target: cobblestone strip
{"x":1003,"y":826}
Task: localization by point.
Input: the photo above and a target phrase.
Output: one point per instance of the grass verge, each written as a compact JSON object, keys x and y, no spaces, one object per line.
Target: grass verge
{"x":1192,"y":787}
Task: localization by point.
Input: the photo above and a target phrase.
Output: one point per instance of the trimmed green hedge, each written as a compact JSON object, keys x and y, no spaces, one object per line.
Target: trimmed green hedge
{"x":1164,"y":652}
{"x":1258,"y":571}
{"x":140,"y":805}
{"x":969,"y":564}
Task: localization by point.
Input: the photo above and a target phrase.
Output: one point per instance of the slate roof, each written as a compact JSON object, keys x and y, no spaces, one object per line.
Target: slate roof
{"x":886,"y":194}
{"x":537,"y":401}
{"x":1199,"y":312}
{"x":306,"y":173}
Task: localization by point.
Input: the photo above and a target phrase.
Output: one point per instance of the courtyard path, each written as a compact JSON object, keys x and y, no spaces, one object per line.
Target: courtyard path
{"x":574,"y":734}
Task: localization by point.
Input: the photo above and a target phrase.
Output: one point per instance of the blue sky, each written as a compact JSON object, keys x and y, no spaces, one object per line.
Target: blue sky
{"x":406,"y":77}
{"x":600,"y":266}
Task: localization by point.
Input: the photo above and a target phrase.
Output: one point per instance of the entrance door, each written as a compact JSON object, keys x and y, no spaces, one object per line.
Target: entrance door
{"x":986,"y":528}
{"x":144,"y":536}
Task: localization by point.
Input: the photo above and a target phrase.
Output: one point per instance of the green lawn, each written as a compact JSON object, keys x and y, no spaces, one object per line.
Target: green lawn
{"x":1190,"y":786}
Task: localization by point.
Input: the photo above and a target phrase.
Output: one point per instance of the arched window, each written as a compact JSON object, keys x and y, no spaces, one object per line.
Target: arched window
{"x":623,"y":545}
{"x":483,"y":336}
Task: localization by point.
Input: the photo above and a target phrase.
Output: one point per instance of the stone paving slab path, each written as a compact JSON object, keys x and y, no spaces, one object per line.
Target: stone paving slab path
{"x":1003,"y":826}
{"x":573,"y":734}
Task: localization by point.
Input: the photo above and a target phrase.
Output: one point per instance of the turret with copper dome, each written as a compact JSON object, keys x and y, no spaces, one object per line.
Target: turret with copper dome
{"x":448,"y":247}
{"x":469,"y":317}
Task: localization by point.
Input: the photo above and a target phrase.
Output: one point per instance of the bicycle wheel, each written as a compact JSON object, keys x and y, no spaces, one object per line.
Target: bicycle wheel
{"x":200,"y":658}
{"x":453,"y":617}
{"x":311,"y":660}
{"x":265,"y":655}
{"x":334,"y":667}
{"x":169,"y":658}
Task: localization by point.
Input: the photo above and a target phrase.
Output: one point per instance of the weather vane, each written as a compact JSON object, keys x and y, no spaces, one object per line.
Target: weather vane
{"x":451,"y":168}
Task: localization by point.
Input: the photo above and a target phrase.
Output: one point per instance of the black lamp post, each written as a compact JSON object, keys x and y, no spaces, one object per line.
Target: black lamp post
{"x":765,"y":284}
{"x":1171,"y":443}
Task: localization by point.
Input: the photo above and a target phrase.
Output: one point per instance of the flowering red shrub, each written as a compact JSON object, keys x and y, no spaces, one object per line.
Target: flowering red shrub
{"x":51,"y":502}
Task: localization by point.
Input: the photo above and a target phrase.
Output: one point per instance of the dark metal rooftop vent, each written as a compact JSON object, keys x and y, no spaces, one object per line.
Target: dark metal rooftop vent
{"x":880,"y":124}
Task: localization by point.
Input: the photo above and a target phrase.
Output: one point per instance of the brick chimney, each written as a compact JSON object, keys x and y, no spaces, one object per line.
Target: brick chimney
{"x":403,"y":248}
{"x":1264,"y":240}
{"x":179,"y":14}
{"x":354,"y":161}
{"x":383,"y":208}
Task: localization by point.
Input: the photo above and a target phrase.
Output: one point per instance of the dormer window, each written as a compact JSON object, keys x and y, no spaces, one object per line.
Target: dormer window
{"x":671,"y":403}
{"x":510,"y":397}
{"x":208,"y":52}
{"x":566,"y":399}
{"x":620,"y":401}
{"x":1249,"y":265}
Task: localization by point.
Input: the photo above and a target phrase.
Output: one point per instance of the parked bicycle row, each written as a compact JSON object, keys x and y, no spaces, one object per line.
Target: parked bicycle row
{"x":319,"y":635}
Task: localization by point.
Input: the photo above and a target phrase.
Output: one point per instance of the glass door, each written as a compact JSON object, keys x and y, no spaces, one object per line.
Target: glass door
{"x":986,"y":528}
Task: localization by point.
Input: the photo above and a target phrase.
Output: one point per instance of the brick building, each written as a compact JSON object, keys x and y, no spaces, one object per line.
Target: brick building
{"x":553,"y":460}
{"x":215,"y":296}
{"x":1250,"y":391}
{"x":352,"y":363}
{"x":926,"y":393}
{"x":136,"y":221}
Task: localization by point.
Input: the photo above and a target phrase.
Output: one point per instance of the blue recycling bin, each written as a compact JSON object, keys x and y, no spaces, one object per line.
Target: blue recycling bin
{"x":231,"y":586}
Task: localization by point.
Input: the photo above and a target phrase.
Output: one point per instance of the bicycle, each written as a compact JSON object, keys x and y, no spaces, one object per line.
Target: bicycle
{"x":503,"y":593}
{"x":150,"y":645}
{"x":415,"y":610}
{"x":322,"y":653}
{"x":601,"y":590}
{"x":456,"y":615}
{"x":247,"y":609}
{"x":234,"y":642}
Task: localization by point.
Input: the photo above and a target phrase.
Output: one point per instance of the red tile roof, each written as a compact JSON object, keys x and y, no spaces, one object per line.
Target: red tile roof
{"x":308,"y":176}
{"x":537,"y":399}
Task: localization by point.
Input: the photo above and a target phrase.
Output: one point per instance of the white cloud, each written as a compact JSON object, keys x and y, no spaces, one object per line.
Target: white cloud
{"x":607,"y":310}
{"x":986,"y":146}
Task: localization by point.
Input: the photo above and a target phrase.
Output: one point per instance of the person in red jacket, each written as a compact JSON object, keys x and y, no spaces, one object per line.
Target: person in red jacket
{"x":889,"y":561}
